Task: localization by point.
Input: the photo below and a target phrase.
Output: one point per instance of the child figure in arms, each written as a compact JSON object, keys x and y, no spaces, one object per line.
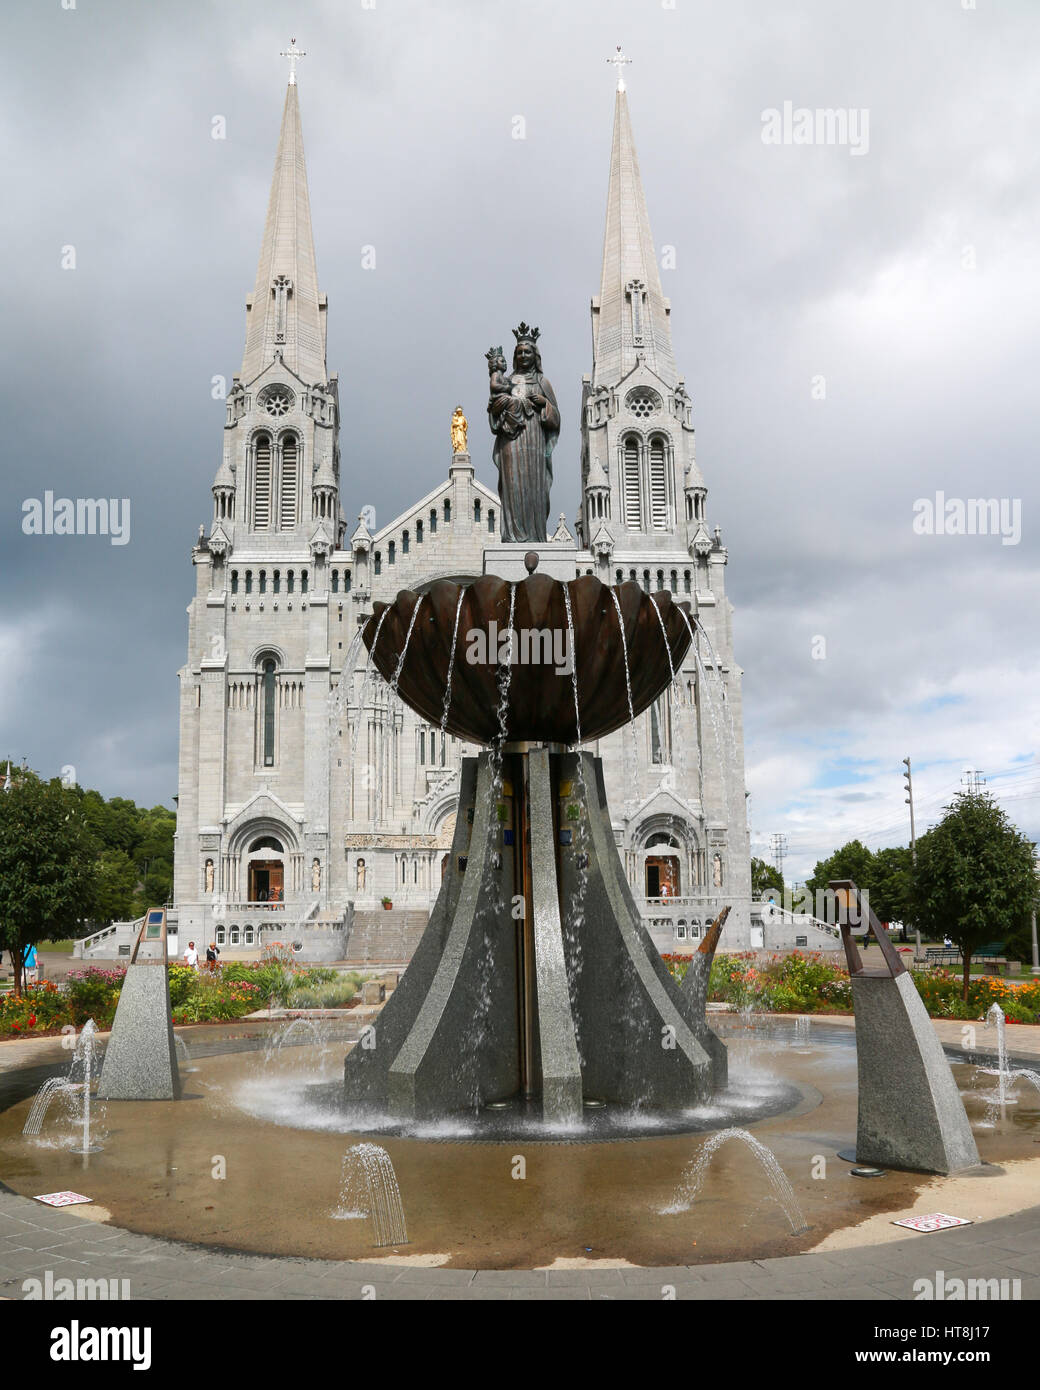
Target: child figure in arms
{"x":512,"y":416}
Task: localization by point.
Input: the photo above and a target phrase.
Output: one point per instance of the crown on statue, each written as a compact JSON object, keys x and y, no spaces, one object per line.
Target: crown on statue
{"x":523,"y":334}
{"x":493,"y":353}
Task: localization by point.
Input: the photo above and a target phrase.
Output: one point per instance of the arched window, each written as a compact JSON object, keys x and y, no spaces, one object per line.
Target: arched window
{"x":674,"y":581}
{"x":269,"y":696}
{"x":619,"y":576}
{"x":646,"y":580}
{"x":250,"y":934}
{"x":234,"y":936}
{"x":391,"y":553}
{"x":433,"y":522}
{"x":686,"y":582}
{"x":476,"y":510}
{"x":290,"y":489}
{"x":346,"y":581}
{"x":631,"y":489}
{"x":378,"y":562}
{"x":262,"y":483}
{"x":263,"y":581}
{"x":658,"y":484}
{"x":418,"y":532}
{"x":303,"y":581}
{"x":234,"y":581}
{"x":277,"y":582}
{"x":491,"y":520}
{"x":660,"y":733}
{"x":447,"y":511}
{"x":220,"y":936}
{"x":405,"y":540}
{"x":689,"y":507}
{"x":266,"y":842}
{"x":335,"y":581}
{"x":290,"y":582}
{"x":249,"y":581}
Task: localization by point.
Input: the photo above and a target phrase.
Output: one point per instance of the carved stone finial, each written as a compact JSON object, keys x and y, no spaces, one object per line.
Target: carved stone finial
{"x":531,"y":561}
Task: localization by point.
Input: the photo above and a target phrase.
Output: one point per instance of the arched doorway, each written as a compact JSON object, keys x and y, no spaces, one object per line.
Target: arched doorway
{"x":266,"y":871}
{"x":661,"y":869}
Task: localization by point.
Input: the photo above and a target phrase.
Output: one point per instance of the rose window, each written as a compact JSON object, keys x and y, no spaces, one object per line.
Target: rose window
{"x":642,"y":402}
{"x":278,"y":401}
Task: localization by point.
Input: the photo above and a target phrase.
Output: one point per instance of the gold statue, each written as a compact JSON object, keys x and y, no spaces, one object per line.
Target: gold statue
{"x":459,"y":426}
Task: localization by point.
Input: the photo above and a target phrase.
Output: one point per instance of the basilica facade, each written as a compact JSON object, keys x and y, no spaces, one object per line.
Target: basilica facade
{"x":309,"y":797}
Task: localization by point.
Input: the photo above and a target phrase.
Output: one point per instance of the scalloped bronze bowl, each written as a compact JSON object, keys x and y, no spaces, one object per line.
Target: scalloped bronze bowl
{"x":541,"y":697}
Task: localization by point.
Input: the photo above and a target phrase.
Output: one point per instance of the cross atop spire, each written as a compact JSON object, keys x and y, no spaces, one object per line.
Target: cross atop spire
{"x":619,"y":60}
{"x":630,"y":322}
{"x":294,"y":55}
{"x":286,"y":316}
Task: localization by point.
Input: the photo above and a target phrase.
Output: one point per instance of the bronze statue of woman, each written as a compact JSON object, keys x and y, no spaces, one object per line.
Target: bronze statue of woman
{"x":525,"y":421}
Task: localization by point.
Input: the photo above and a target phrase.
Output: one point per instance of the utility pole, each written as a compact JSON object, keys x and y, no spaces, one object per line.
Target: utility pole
{"x":973,"y":779}
{"x":1036,"y":947}
{"x":779,"y":844}
{"x":908,"y":779}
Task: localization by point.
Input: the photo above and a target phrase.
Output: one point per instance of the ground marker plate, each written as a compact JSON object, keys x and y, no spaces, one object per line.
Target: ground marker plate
{"x":62,"y":1199}
{"x":938,"y":1221}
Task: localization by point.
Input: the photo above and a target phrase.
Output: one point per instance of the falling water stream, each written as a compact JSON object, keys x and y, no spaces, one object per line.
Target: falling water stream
{"x":695,"y":1172}
{"x":574,"y":913}
{"x":451,"y":666}
{"x":54,"y":1085}
{"x":368,"y":1187}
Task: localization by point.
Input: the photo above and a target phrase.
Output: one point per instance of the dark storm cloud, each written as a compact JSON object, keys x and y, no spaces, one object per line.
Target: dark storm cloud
{"x":792,"y":262}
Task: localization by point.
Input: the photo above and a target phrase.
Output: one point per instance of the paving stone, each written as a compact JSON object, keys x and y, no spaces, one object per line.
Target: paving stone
{"x":589,"y":1278}
{"x":549,"y":1295}
{"x":511,"y":1278}
{"x":713,"y":1289}
{"x":438,"y":1278}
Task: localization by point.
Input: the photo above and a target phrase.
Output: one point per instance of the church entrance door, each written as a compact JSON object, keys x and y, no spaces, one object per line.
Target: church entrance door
{"x":266,"y":881}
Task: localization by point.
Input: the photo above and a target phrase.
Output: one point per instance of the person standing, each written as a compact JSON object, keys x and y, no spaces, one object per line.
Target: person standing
{"x":211,"y":956}
{"x":30,"y":966}
{"x":191,"y":957}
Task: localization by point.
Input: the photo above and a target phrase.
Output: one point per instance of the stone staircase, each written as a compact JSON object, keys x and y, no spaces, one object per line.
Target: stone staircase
{"x":384,"y":937}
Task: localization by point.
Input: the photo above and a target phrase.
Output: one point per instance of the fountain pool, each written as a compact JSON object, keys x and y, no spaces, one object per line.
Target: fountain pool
{"x":528,"y":1202}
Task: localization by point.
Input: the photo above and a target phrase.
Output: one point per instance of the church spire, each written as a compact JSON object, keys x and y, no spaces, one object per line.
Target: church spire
{"x":286,"y":313}
{"x":630,"y":319}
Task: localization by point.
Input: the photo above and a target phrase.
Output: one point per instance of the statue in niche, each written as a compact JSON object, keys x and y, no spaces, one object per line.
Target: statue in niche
{"x":525,"y":421}
{"x":361,"y":872}
{"x":716,"y":870}
{"x":209,"y":875}
{"x":459,"y":426}
{"x":316,"y":876}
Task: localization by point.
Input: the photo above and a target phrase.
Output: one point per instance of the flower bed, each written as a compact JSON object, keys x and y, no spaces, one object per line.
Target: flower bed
{"x":806,"y":982}
{"x":195,"y":996}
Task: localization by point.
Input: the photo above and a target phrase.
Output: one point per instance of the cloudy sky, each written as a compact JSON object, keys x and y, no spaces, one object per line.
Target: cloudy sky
{"x":906,"y":276}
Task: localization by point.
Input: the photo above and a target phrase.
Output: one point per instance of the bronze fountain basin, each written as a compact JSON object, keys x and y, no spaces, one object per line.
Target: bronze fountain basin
{"x":541,"y":704}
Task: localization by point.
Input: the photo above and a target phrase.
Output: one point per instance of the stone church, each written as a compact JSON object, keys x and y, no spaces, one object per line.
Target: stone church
{"x":305,"y":807}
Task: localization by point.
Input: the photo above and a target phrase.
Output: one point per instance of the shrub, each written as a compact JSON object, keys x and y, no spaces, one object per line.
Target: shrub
{"x":181,"y":978}
{"x":94,"y":993}
{"x":677,"y":965}
{"x":323,"y":995}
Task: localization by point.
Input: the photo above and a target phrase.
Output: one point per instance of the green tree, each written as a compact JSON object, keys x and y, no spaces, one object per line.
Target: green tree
{"x":890,"y":885}
{"x":115,"y":887}
{"x":975,"y":879}
{"x":765,"y":876}
{"x":48,"y":864}
{"x":853,"y":861}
